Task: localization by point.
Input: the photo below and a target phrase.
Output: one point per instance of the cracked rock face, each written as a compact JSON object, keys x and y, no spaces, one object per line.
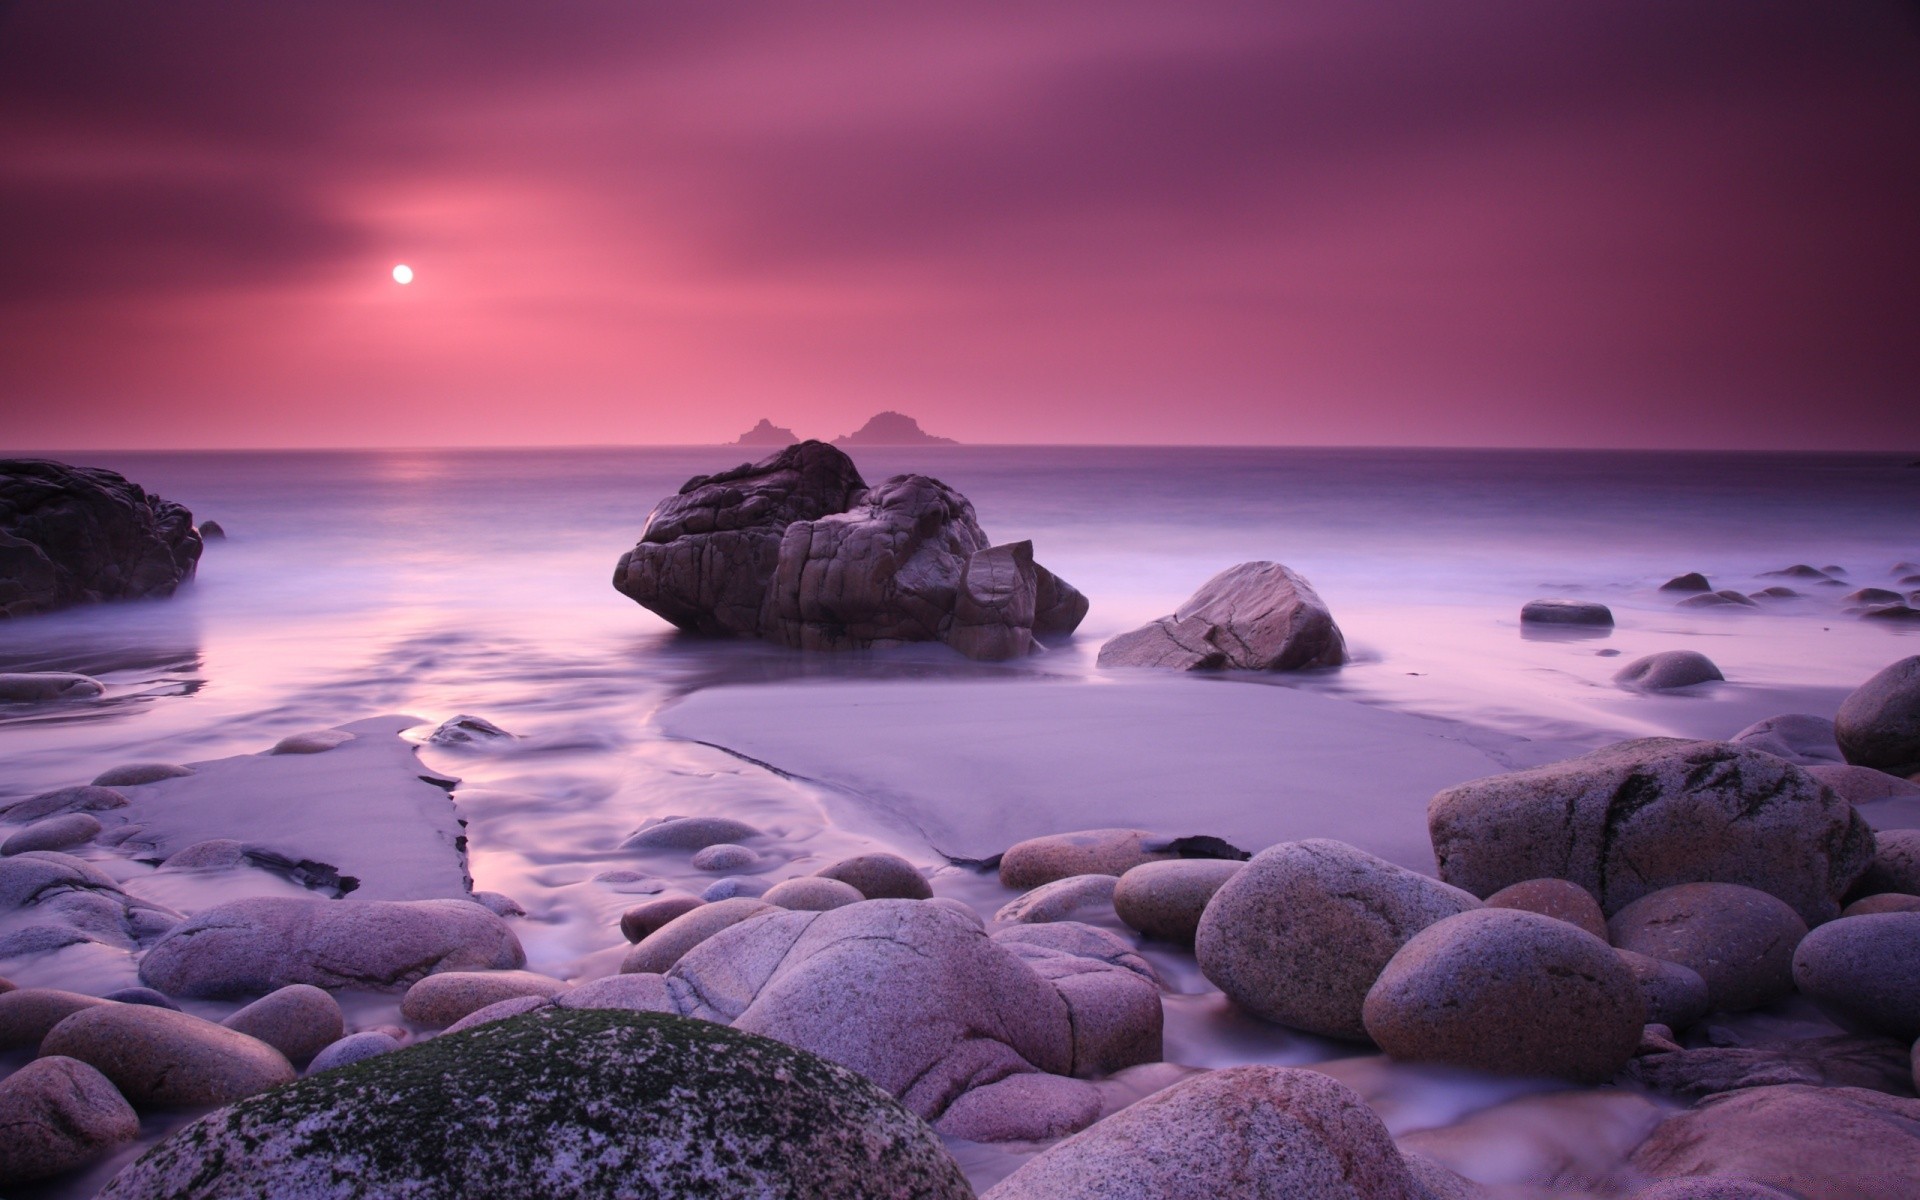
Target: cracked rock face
{"x":565,"y":1104}
{"x":1632,"y":818}
{"x":81,"y":535}
{"x":798,"y":549}
{"x":1258,"y":616}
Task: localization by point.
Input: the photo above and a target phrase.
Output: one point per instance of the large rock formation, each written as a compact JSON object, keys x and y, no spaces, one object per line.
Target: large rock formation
{"x":81,"y":535}
{"x":1257,"y":616}
{"x":798,"y":550}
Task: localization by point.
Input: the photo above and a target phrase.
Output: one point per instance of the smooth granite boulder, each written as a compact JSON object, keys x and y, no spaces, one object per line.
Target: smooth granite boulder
{"x":1059,"y":900}
{"x":1725,"y":598}
{"x":665,"y":946}
{"x":1632,"y":818}
{"x":1667,"y":670}
{"x":1112,"y":994}
{"x":26,"y":1014}
{"x":1557,"y":898}
{"x":298,"y":1020}
{"x":690,"y":833}
{"x":880,"y":876}
{"x":441,"y":999}
{"x":136,"y":773}
{"x":1164,"y":899}
{"x":797,"y":549}
{"x":254,"y":946}
{"x":1895,"y":866}
{"x":1676,"y":996}
{"x":907,"y":993}
{"x":86,"y":798}
{"x":159,"y":1058}
{"x":1510,"y":992}
{"x":1882,"y":902}
{"x":1817,"y":1143}
{"x":1796,"y":737}
{"x":81,"y":535}
{"x":642,"y":919}
{"x":1879,"y":722}
{"x":54,"y":833}
{"x":1042,"y":860}
{"x":1740,"y":940}
{"x":564,"y":1105}
{"x":1565,"y":612}
{"x":1022,"y":1108}
{"x":1251,"y":1133}
{"x":1300,"y":935}
{"x":1257,"y":616}
{"x":56,"y":1114}
{"x":1869,"y":967}
{"x":352,"y":1049}
{"x":811,"y":893}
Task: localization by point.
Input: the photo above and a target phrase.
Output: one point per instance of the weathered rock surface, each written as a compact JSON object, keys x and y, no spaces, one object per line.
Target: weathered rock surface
{"x":298,"y":1020}
{"x":55,"y":1114}
{"x":159,"y":1058}
{"x":1262,"y":1133}
{"x":725,"y":856}
{"x":1300,"y":935}
{"x":880,"y":876}
{"x":1112,"y":994}
{"x":1740,"y":940}
{"x":1257,"y":616}
{"x":1511,"y":992}
{"x":1165,"y":899}
{"x":565,"y":1105}
{"x":81,"y":535}
{"x":912,"y":996}
{"x":1556,"y":898}
{"x":254,"y":946}
{"x":466,"y":730}
{"x":1882,"y":902}
{"x":1667,"y":670}
{"x":440,"y":1000}
{"x":87,"y":799}
{"x":1022,"y":1107}
{"x":63,"y":899}
{"x":135,"y":774}
{"x":1863,"y":785}
{"x":1632,"y":818}
{"x":1842,"y":1060}
{"x":1879,"y":723}
{"x":1796,"y":737}
{"x":1709,"y":1188}
{"x":26,"y":1014}
{"x":659,"y":950}
{"x":1869,"y":967}
{"x":1565,"y":612}
{"x":1869,"y":1143}
{"x":797,"y":549}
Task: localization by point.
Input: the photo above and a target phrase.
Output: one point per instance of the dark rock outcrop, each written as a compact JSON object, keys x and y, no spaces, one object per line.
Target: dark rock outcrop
{"x":81,"y":535}
{"x":798,"y":550}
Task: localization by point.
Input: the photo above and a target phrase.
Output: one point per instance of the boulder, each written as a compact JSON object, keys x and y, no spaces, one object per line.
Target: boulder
{"x":1257,"y":1132}
{"x":1724,"y":598}
{"x":1042,"y":860}
{"x":690,"y":833}
{"x":565,"y":1105}
{"x":1879,"y":722}
{"x":1868,"y":967}
{"x":798,"y":550}
{"x":730,"y":887}
{"x":59,"y":1113}
{"x":1740,"y":940}
{"x":1692,"y":581}
{"x":43,"y":687}
{"x":1556,"y":898}
{"x":664,"y":947}
{"x":312,"y":741}
{"x":352,"y":1049}
{"x":54,"y":833}
{"x":1510,"y":992}
{"x":212,"y":531}
{"x":1112,"y":995}
{"x":637,"y":993}
{"x":642,"y":919}
{"x":1300,"y":935}
{"x":1257,"y":616}
{"x":1164,"y":899}
{"x":1639,"y":816}
{"x":910,"y":995}
{"x":1796,"y":737}
{"x":439,"y":1000}
{"x":466,"y":730}
{"x":811,"y":893}
{"x":1868,"y":1144}
{"x":81,"y":535}
{"x":135,"y":774}
{"x":880,"y":877}
{"x":1882,"y":902}
{"x":1843,"y":1060}
{"x":1872,"y":595}
{"x":500,"y":1010}
{"x":1676,"y":996}
{"x":1667,"y":670}
{"x":1022,"y":1108}
{"x":143,"y":995}
{"x":254,"y":946}
{"x":299,"y":1021}
{"x":159,"y":1058}
{"x":1895,"y":866}
{"x":1863,"y":785}
{"x":1059,"y":900}
{"x":26,"y":1014}
{"x":85,"y":798}
{"x":1565,"y":612}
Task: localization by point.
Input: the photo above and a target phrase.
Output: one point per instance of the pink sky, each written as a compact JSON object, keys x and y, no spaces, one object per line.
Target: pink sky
{"x":1481,"y":222}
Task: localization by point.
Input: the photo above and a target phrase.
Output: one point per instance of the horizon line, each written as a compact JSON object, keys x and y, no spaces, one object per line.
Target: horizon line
{"x":953,"y":446}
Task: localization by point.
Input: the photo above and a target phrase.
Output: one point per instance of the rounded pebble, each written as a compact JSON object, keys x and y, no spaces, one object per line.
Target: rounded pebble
{"x":298,"y":1020}
{"x":440,"y":1000}
{"x":135,"y":774}
{"x":642,"y":919}
{"x":1561,"y":899}
{"x":725,"y":857}
{"x":812,"y":893}
{"x":1164,"y":899}
{"x":1869,"y":967}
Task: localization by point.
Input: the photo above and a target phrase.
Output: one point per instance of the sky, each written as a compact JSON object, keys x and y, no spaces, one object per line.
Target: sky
{"x":1631,"y":223}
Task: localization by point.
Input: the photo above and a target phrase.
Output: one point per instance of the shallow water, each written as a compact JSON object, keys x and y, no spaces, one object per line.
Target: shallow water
{"x":437,"y":583}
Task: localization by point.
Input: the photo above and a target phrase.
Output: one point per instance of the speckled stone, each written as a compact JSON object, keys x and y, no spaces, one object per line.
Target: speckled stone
{"x":1867,"y":966}
{"x":880,"y":877}
{"x":1740,"y":940}
{"x":1895,"y":866}
{"x":56,"y":1114}
{"x":1164,"y":900}
{"x":1022,"y":1108}
{"x":1824,"y":1143}
{"x":564,"y":1105}
{"x":1884,"y":902}
{"x":1558,"y":898}
{"x":1565,"y":612}
{"x":1252,"y":1132}
{"x":1709,"y":1187}
{"x":499,"y":1010}
{"x":1041,"y":860}
{"x":636,"y":993}
{"x":664,"y":947}
{"x":54,"y":833}
{"x":724,"y":856}
{"x":440,"y":1000}
{"x":1510,"y":992}
{"x":26,"y":1014}
{"x":159,"y":1058}
{"x":1300,"y":935}
{"x":1676,"y":996}
{"x":1878,"y":724}
{"x":812,"y":893}
{"x":299,"y":1021}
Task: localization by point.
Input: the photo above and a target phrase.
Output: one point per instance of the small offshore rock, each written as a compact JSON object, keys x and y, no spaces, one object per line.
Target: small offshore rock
{"x":212,"y":531}
{"x":1059,"y":900}
{"x":26,"y":1014}
{"x":299,"y":1021}
{"x":1724,"y":598}
{"x":353,"y":1048}
{"x":880,"y":877}
{"x":1164,"y":899}
{"x":1868,"y":967}
{"x":642,"y":919}
{"x":662,"y":948}
{"x":159,"y":1058}
{"x":43,"y":687}
{"x":1739,"y":939}
{"x":313,"y":741}
{"x":440,"y":1000}
{"x":1872,"y":595}
{"x":1692,"y":581}
{"x":1565,"y":612}
{"x":85,"y":798}
{"x":1868,"y":1143}
{"x":1879,"y":722}
{"x":725,"y":856}
{"x":58,"y":1113}
{"x":811,"y":893}
{"x":600,"y":1103}
{"x":1041,"y":860}
{"x":134,"y":774}
{"x":465,"y":730}
{"x":1676,"y":996}
{"x":1561,"y":899}
{"x":1254,"y":1131}
{"x":1510,"y":992}
{"x":1300,"y":935}
{"x":1668,"y":670}
{"x":1797,"y":737}
{"x":1257,"y":616}
{"x":54,"y":833}
{"x":689,"y":833}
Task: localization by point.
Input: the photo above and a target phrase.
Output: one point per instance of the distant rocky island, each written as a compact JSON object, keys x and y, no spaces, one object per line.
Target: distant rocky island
{"x":892,"y":429}
{"x":766,"y":433}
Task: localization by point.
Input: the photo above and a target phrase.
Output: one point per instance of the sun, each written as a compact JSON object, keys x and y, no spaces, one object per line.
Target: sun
{"x":403,"y":274}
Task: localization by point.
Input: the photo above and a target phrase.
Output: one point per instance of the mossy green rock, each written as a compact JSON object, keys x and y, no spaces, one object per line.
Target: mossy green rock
{"x":557,"y":1104}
